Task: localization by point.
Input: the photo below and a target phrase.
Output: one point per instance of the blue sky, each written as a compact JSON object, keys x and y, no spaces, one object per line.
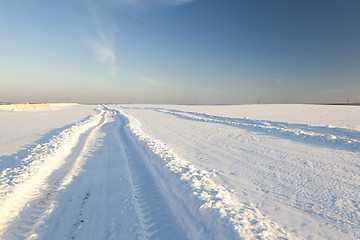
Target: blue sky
{"x":180,"y":51}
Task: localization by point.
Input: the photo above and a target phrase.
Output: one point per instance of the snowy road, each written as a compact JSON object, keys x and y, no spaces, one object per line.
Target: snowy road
{"x":304,"y":177}
{"x":108,"y":200}
{"x":138,"y":172}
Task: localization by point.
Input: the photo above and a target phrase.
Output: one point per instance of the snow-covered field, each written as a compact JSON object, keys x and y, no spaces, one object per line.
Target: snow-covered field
{"x":180,"y":172}
{"x":32,"y":106}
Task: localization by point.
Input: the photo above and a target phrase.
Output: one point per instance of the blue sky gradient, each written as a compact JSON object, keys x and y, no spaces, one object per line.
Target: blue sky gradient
{"x":180,"y":51}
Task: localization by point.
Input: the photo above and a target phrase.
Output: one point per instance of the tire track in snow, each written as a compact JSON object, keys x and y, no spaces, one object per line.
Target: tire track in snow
{"x":115,"y":188}
{"x":157,"y":219}
{"x":344,"y":139}
{"x":172,"y":198}
{"x":31,"y":198}
{"x":320,"y":183}
{"x":97,"y":204}
{"x":206,"y":210}
{"x":80,"y":218}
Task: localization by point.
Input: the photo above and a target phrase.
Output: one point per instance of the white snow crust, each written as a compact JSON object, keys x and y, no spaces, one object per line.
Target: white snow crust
{"x":18,"y":107}
{"x":180,"y":172}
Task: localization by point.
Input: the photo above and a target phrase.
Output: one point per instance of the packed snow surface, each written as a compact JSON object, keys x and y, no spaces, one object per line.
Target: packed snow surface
{"x":180,"y":172}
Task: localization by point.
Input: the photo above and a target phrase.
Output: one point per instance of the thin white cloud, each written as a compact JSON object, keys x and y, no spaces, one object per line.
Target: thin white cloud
{"x":152,"y":81}
{"x":150,"y":3}
{"x":102,"y":43}
{"x":329,"y":91}
{"x":278,"y":82}
{"x":139,"y":7}
{"x":170,"y":2}
{"x":105,"y":55}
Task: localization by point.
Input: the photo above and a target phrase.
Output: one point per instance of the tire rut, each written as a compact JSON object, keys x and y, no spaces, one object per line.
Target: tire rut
{"x":155,"y":215}
{"x":23,"y":226}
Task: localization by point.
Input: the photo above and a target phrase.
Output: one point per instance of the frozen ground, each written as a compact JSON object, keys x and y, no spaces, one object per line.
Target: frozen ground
{"x":180,"y":172}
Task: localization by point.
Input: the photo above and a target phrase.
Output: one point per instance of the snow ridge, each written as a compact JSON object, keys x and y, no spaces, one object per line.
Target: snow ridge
{"x":211,"y":211}
{"x":156,"y":220}
{"x":20,"y":185}
{"x":329,"y":136}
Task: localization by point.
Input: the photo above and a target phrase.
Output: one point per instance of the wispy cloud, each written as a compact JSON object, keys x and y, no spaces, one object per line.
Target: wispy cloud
{"x":152,"y":81}
{"x":102,"y":42}
{"x":140,"y":7}
{"x":150,"y":3}
{"x":277,"y":81}
{"x":105,"y":55}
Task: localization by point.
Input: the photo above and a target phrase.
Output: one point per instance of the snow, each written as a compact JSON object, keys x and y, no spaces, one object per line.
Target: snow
{"x":21,"y":128}
{"x":312,"y":115}
{"x":180,"y":172}
{"x":295,"y":173}
{"x":17,"y":107}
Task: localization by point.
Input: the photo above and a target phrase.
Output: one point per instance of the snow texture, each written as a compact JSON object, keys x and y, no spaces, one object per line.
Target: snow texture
{"x":180,"y":172}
